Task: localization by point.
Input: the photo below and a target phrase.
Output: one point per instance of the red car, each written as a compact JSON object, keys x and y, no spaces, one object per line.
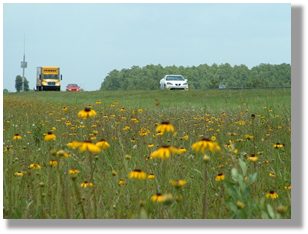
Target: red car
{"x":72,"y":88}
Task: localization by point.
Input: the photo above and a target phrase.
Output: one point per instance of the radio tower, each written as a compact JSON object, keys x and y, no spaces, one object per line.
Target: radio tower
{"x":24,"y":65}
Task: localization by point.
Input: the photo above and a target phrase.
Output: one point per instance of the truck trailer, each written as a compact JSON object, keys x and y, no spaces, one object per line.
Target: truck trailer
{"x":48,"y":78}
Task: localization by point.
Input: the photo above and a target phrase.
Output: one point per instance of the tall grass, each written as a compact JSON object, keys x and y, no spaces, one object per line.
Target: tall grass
{"x":128,"y":122}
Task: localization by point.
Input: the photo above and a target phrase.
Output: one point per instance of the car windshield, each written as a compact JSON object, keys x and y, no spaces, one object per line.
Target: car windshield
{"x":73,"y":85}
{"x":175,"y":78}
{"x":51,"y":76}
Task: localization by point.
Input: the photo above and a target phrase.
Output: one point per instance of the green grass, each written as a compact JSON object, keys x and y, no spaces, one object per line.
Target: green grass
{"x":51,"y":193}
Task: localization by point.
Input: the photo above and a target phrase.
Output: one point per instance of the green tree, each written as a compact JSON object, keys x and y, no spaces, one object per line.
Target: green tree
{"x":18,"y":84}
{"x":5,"y":91}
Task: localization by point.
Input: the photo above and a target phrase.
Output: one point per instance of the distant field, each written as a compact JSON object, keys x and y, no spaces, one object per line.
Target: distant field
{"x":56,"y":165}
{"x":215,"y":100}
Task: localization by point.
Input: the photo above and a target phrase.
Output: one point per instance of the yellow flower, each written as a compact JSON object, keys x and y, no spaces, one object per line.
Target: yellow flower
{"x":87,"y":112}
{"x":114,"y":173}
{"x":164,"y":152}
{"x":63,"y":154}
{"x":98,"y":102}
{"x":73,"y":171}
{"x":86,"y":184}
{"x":151,"y":176}
{"x":165,"y":126}
{"x":272,"y":175}
{"x":53,"y":163}
{"x":50,"y":136}
{"x":35,"y":166}
{"x":157,"y":197}
{"x":249,"y":137}
{"x":84,"y":146}
{"x":121,"y":182}
{"x":272,"y":195}
{"x":140,"y":110}
{"x":240,"y":204}
{"x":205,"y":144}
{"x":178,"y":183}
{"x":64,"y":108}
{"x":184,"y":138}
{"x":220,"y":177}
{"x":287,"y":187}
{"x":137,"y":174}
{"x":182,"y":150}
{"x":18,"y":173}
{"x":102,"y":144}
{"x":278,"y":145}
{"x":17,"y":137}
{"x":253,"y":158}
{"x":151,"y":145}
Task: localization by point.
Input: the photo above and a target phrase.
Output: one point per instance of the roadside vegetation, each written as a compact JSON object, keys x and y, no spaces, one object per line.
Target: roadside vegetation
{"x":216,"y":154}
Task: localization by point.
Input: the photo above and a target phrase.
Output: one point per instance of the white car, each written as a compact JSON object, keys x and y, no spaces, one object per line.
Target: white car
{"x":172,"y":82}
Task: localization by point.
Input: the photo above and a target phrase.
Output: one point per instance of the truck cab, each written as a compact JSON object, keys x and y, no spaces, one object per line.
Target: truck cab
{"x":48,"y":78}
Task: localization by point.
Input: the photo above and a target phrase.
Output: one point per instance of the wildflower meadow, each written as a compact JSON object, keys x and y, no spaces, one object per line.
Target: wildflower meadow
{"x":214,"y":154}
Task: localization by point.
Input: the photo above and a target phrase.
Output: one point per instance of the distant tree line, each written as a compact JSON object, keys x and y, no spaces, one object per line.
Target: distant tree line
{"x":200,"y":77}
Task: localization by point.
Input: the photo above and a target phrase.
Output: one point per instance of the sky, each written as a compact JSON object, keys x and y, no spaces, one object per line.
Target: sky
{"x":87,"y":41}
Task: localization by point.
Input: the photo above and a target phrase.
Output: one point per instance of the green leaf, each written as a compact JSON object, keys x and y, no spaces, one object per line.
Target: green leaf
{"x":143,"y":214}
{"x":243,"y":166}
{"x":234,"y":174}
{"x":265,"y":215}
{"x":271,"y":211}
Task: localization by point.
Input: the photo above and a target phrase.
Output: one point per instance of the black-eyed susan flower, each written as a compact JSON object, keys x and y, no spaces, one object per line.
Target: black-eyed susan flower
{"x":157,"y":197}
{"x":278,"y":145}
{"x":121,"y":182}
{"x":35,"y":166}
{"x":137,"y":174}
{"x":84,"y":146}
{"x":7,"y":149}
{"x":182,"y":150}
{"x":50,"y":136}
{"x":64,"y":108}
{"x":98,"y":102}
{"x":240,"y":205}
{"x":151,"y":176}
{"x":18,"y":173}
{"x":165,"y":126}
{"x":73,"y":171}
{"x":87,"y":112}
{"x":272,"y":175}
{"x":220,"y":177}
{"x":272,"y":195}
{"x":140,"y":110}
{"x":248,"y":137}
{"x":17,"y":137}
{"x":164,"y":152}
{"x":63,"y":154}
{"x":253,"y":158}
{"x":204,"y":144}
{"x":53,"y":163}
{"x":86,"y":184}
{"x":178,"y":183}
{"x":114,"y":173}
{"x":102,"y":144}
{"x":150,"y":145}
{"x":287,"y":187}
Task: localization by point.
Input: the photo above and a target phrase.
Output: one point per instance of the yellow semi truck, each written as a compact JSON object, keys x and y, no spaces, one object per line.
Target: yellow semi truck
{"x":48,"y":78}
